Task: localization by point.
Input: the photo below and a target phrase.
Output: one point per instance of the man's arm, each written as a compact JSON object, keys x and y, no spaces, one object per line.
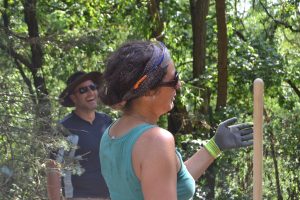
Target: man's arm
{"x":53,"y":180}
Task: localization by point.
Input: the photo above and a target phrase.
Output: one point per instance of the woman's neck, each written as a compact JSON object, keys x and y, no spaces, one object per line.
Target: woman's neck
{"x":141,"y":117}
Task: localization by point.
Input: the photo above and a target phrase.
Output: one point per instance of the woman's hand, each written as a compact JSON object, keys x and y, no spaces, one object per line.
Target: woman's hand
{"x":229,"y":136}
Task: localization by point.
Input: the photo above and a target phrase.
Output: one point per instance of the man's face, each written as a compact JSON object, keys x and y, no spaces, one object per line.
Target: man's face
{"x":85,"y":96}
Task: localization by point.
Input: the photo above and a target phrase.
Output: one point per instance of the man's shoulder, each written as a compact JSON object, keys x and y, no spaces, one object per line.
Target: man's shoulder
{"x":67,"y":118}
{"x":69,"y":121}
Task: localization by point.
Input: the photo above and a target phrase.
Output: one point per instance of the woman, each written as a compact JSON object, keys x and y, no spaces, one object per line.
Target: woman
{"x":139,"y":159}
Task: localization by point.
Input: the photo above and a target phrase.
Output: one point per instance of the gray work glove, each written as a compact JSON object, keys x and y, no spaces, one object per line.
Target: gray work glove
{"x":229,"y":136}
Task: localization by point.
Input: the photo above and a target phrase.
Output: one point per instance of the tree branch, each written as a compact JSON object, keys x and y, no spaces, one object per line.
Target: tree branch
{"x":285,"y":24}
{"x":27,"y":81}
{"x":297,"y":91}
{"x":11,"y":52}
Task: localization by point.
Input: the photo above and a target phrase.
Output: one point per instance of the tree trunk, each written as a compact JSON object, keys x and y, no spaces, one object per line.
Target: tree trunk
{"x":210,"y":176}
{"x":35,"y":45}
{"x":43,"y":106}
{"x":157,"y":22}
{"x":178,"y":115}
{"x":199,"y":11}
{"x":273,"y":153}
{"x":222,"y":54}
{"x":178,"y":119}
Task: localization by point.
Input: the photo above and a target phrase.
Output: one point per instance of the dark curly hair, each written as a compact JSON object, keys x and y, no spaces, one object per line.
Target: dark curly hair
{"x":126,"y":68}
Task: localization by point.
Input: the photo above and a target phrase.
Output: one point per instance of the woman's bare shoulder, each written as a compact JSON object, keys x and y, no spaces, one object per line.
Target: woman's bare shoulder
{"x":158,"y":136}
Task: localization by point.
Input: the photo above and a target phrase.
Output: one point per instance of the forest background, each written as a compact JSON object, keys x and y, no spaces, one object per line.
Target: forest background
{"x":219,"y":48}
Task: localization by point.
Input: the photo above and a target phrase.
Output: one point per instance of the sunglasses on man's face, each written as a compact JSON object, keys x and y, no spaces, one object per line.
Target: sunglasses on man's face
{"x":173,"y":83}
{"x":85,"y":89}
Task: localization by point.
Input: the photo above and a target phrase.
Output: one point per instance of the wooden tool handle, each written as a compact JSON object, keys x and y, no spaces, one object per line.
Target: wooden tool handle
{"x":258,"y":91}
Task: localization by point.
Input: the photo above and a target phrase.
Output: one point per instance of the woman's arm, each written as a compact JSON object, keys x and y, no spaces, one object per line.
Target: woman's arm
{"x":228,"y":136}
{"x":199,"y":162}
{"x":155,"y":164}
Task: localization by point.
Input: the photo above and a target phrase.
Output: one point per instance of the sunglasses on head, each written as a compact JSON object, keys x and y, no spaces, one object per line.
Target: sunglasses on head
{"x":173,"y":83}
{"x":85,"y":89}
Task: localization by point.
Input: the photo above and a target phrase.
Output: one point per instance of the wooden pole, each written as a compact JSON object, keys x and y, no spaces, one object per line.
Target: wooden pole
{"x":258,"y":93}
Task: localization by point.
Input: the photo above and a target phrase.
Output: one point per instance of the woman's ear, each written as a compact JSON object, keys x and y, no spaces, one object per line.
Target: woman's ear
{"x":151,"y":93}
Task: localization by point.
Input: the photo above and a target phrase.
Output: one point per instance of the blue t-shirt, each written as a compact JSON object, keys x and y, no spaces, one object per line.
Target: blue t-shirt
{"x":118,"y":172}
{"x":87,"y":137}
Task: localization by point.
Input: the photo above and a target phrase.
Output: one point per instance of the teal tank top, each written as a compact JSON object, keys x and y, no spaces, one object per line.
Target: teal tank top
{"x":118,"y":172}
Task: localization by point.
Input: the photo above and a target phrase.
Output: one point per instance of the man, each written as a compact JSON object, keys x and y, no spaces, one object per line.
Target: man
{"x":86,"y":127}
